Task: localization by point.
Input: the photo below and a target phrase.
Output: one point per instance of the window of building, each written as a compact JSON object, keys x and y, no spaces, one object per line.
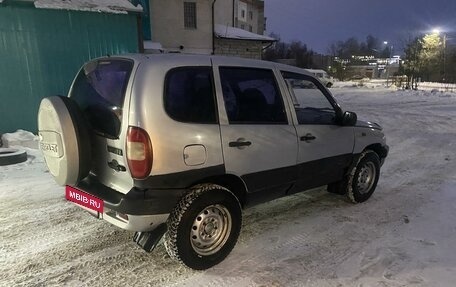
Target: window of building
{"x":242,"y":26}
{"x":189,"y":95}
{"x":250,"y":28}
{"x":243,"y":14}
{"x":251,"y":15}
{"x":252,"y":96}
{"x":190,"y":15}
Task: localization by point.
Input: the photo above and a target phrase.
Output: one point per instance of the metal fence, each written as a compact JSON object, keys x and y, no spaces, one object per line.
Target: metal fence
{"x":41,"y":50}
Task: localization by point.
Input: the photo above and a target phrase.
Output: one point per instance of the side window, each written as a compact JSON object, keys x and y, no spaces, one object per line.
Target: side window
{"x":311,"y":104}
{"x":189,"y":95}
{"x":251,"y":96}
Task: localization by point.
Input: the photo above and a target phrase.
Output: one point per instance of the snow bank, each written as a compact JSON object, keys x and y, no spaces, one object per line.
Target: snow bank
{"x":442,"y":87}
{"x":20,"y":138}
{"x":107,"y":6}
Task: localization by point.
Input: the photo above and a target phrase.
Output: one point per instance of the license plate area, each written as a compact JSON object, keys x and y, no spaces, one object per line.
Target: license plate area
{"x":83,"y":199}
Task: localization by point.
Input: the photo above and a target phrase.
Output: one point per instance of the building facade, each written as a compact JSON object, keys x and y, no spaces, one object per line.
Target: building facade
{"x":249,"y":16}
{"x":201,"y":26}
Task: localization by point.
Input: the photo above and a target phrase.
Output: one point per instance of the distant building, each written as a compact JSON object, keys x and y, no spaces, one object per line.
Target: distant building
{"x":369,"y":66}
{"x":249,"y":16}
{"x":208,"y":27}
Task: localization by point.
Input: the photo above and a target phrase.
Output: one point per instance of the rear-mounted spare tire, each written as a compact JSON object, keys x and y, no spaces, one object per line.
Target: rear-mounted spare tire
{"x":64,"y":139}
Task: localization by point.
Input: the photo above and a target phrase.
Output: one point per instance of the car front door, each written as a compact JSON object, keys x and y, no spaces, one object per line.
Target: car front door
{"x":325,"y":147}
{"x":258,"y":138}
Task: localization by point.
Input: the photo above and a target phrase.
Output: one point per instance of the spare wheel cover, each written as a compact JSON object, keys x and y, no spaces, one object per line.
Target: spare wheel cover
{"x":64,"y":139}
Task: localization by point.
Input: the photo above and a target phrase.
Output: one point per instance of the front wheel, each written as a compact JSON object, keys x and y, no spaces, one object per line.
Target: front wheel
{"x":204,"y":226}
{"x":363,"y":179}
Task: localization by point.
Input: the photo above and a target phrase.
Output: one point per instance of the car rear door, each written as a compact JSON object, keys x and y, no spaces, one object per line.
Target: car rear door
{"x":325,"y":147}
{"x":101,"y":91}
{"x":258,"y":138}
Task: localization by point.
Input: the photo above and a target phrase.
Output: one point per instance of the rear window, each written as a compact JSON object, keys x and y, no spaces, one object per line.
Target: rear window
{"x":99,"y":90}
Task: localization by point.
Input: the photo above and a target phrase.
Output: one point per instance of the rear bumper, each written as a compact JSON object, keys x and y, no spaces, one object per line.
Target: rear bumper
{"x":136,"y":201}
{"x":138,"y":210}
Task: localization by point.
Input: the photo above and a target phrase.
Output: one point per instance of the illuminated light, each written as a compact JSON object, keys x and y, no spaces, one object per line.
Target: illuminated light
{"x":436,"y":31}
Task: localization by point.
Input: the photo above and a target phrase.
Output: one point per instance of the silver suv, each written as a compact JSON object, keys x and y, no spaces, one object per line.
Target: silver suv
{"x":178,"y":145}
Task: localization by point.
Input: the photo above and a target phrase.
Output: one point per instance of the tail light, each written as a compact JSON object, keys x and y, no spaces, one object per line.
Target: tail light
{"x":139,"y":152}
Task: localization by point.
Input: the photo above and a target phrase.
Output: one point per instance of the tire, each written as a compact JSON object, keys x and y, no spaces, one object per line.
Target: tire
{"x":204,"y":226}
{"x":350,"y":184}
{"x":363,"y":178}
{"x":12,"y":156}
{"x":64,"y":139}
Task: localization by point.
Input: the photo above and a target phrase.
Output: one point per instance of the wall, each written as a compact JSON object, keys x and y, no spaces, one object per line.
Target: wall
{"x":224,"y":12}
{"x":168,"y":26}
{"x":41,"y":51}
{"x":238,"y":48}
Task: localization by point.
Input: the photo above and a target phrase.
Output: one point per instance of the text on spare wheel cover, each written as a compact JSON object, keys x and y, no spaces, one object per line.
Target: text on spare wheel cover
{"x":84,"y":199}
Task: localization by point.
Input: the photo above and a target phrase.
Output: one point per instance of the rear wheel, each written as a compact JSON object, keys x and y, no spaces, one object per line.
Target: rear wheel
{"x":204,"y":226}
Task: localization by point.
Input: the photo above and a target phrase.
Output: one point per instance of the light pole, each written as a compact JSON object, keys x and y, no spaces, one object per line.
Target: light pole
{"x":444,"y":37}
{"x":388,"y":62}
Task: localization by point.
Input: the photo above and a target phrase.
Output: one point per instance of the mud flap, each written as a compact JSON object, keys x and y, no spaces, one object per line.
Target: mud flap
{"x":148,"y":240}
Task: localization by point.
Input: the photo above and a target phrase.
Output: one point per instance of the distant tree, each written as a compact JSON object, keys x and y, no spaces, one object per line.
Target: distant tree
{"x":413,"y":64}
{"x":344,"y":50}
{"x":295,"y":50}
{"x":424,"y":59}
{"x":431,"y":56}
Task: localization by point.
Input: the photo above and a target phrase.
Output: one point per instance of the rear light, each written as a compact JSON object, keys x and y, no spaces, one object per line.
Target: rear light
{"x":139,"y":152}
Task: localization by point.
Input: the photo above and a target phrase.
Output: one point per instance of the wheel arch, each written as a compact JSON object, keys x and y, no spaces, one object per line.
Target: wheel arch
{"x":379,"y":149}
{"x":232,"y":182}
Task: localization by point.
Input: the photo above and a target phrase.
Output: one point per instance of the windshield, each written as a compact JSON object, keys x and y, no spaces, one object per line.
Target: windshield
{"x":99,"y":90}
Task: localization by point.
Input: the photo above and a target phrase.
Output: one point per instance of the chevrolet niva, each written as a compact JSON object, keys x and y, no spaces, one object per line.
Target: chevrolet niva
{"x":175,"y":146}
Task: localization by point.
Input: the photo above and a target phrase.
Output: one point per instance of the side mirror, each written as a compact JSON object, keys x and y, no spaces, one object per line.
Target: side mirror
{"x":349,"y":119}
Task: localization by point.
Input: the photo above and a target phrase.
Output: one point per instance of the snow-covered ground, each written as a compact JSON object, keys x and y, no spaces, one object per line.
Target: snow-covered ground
{"x":405,"y":235}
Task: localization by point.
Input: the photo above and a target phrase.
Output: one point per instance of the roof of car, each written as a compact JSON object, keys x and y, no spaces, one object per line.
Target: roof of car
{"x":222,"y":60}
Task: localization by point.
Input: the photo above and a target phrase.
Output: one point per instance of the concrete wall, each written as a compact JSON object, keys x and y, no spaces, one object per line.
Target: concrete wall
{"x":224,"y":12}
{"x":168,"y":26}
{"x":238,"y":48}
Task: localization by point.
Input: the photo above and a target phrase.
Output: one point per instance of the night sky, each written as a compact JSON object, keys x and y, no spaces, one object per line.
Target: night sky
{"x":318,"y":23}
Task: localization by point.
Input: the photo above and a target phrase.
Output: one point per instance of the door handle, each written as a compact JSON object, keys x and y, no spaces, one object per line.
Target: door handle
{"x":240,"y":143}
{"x":308,"y":137}
{"x":116,"y":166}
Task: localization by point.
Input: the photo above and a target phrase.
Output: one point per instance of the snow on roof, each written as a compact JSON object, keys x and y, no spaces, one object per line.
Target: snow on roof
{"x":223,"y":31}
{"x":107,"y":6}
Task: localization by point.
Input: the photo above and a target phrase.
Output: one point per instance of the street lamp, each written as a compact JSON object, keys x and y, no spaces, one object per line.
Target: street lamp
{"x":388,"y":62}
{"x":444,"y":37}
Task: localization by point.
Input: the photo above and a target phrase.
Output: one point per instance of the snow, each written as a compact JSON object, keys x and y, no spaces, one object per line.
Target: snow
{"x":224,"y":31}
{"x":107,"y":6}
{"x":20,"y":138}
{"x":405,"y":235}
